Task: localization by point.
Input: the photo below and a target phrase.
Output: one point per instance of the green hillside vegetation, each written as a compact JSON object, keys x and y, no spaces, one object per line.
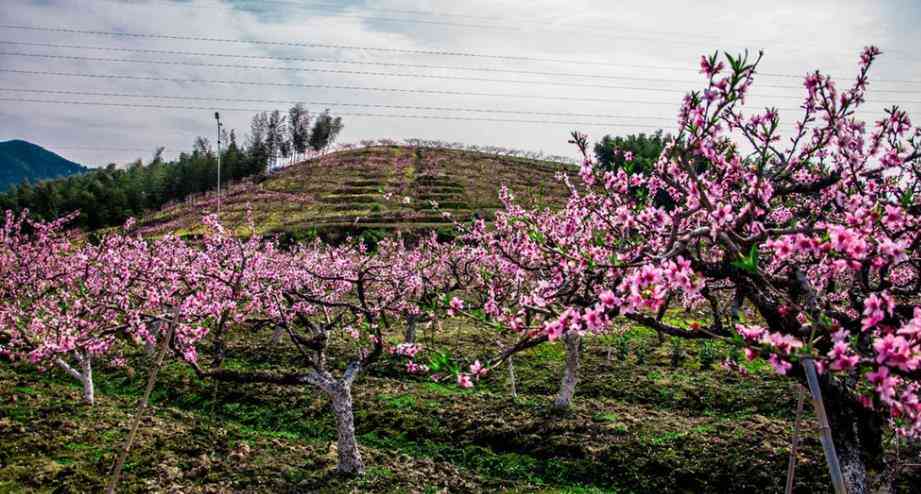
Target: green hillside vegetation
{"x":371,"y":191}
{"x":22,"y":161}
{"x":108,"y":196}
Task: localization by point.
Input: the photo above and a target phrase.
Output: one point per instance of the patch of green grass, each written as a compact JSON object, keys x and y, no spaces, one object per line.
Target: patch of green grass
{"x":399,"y":402}
{"x":444,"y":389}
{"x":605,"y":417}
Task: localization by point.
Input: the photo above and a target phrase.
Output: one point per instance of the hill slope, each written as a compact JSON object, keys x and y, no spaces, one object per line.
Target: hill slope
{"x":378,"y":189}
{"x":21,"y":160}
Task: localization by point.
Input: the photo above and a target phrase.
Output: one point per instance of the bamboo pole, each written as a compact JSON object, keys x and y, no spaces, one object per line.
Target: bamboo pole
{"x":791,"y":465}
{"x":828,"y":444}
{"x":142,"y":408}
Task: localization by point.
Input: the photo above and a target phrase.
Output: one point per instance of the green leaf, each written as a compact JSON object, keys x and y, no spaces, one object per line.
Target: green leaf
{"x":536,"y":236}
{"x":750,"y":262}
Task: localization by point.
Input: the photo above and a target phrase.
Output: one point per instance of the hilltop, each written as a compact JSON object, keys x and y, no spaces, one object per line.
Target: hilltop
{"x":21,"y":160}
{"x":372,"y":191}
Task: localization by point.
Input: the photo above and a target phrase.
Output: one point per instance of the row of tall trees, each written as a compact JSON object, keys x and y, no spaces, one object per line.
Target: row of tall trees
{"x":288,"y":138}
{"x":108,"y":196}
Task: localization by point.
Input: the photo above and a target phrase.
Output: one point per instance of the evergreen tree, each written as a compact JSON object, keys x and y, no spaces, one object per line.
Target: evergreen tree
{"x":276,"y":135}
{"x":299,"y":128}
{"x":324,"y":132}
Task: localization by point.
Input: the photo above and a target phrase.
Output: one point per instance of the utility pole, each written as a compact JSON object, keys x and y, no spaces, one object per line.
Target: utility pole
{"x":217,"y":116}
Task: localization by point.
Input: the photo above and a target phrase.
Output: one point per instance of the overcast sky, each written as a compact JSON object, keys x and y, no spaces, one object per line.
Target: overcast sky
{"x":621,"y":64}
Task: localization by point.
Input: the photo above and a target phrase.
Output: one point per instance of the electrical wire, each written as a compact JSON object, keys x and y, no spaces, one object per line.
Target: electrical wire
{"x":332,"y":104}
{"x":387,"y":74}
{"x":406,"y":51}
{"x":391,"y":64}
{"x":363,"y":88}
{"x":556,"y":27}
{"x":344,"y":114}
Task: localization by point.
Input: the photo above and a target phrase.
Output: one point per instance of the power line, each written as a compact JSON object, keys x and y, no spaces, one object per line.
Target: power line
{"x":344,"y":114}
{"x":339,"y":71}
{"x":322,"y":5}
{"x":335,"y":104}
{"x":595,"y":31}
{"x":389,"y":74}
{"x":441,"y":92}
{"x":328,"y":104}
{"x":287,"y":43}
{"x":95,"y":148}
{"x":407,"y":51}
{"x":351,"y":114}
{"x":401,"y":65}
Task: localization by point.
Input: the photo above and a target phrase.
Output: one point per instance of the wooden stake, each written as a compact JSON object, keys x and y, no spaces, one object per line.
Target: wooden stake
{"x":142,"y":406}
{"x":791,"y":465}
{"x":828,"y":444}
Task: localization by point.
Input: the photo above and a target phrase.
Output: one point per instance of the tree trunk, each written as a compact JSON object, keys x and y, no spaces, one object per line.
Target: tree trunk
{"x":857,"y":434}
{"x":409,"y":335}
{"x":89,"y":390}
{"x":277,"y":334}
{"x":84,"y":375}
{"x":347,"y":446}
{"x":511,"y":378}
{"x":570,"y":374}
{"x":150,"y":347}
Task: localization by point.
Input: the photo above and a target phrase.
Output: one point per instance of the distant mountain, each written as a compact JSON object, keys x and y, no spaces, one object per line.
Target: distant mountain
{"x":21,"y":160}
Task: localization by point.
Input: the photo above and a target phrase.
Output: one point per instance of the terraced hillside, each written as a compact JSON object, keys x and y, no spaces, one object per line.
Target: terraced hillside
{"x":373,"y":190}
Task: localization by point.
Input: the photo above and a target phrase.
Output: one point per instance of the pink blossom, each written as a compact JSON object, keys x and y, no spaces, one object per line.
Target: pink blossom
{"x":464,"y":381}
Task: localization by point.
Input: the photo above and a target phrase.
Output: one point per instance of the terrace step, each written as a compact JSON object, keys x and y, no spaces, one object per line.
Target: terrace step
{"x":452,"y":205}
{"x":351,"y":190}
{"x":442,"y":189}
{"x":439,"y":197}
{"x":369,"y":183}
{"x":349,"y":198}
{"x":437,"y":181}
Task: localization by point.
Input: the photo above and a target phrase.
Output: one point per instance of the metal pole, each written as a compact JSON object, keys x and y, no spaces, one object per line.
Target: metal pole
{"x":217,"y":116}
{"x":828,"y":444}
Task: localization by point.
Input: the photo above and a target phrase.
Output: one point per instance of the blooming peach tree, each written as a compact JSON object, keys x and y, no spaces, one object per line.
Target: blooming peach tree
{"x":815,"y":237}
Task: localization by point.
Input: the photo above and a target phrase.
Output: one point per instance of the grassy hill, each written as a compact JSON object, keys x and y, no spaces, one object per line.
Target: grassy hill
{"x":345,"y":193}
{"x":21,"y":160}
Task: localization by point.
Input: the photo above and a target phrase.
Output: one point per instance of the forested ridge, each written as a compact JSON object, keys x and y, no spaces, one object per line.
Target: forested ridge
{"x":21,"y":160}
{"x":110,"y":195}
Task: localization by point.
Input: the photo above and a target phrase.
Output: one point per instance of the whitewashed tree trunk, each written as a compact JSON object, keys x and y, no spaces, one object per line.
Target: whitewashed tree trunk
{"x":84,"y":375}
{"x":570,"y":373}
{"x":350,"y":462}
{"x":853,"y":469}
{"x":89,"y":390}
{"x":340,"y":394}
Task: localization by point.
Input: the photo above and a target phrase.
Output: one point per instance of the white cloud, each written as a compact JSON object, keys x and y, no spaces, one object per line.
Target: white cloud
{"x":797,"y":36}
